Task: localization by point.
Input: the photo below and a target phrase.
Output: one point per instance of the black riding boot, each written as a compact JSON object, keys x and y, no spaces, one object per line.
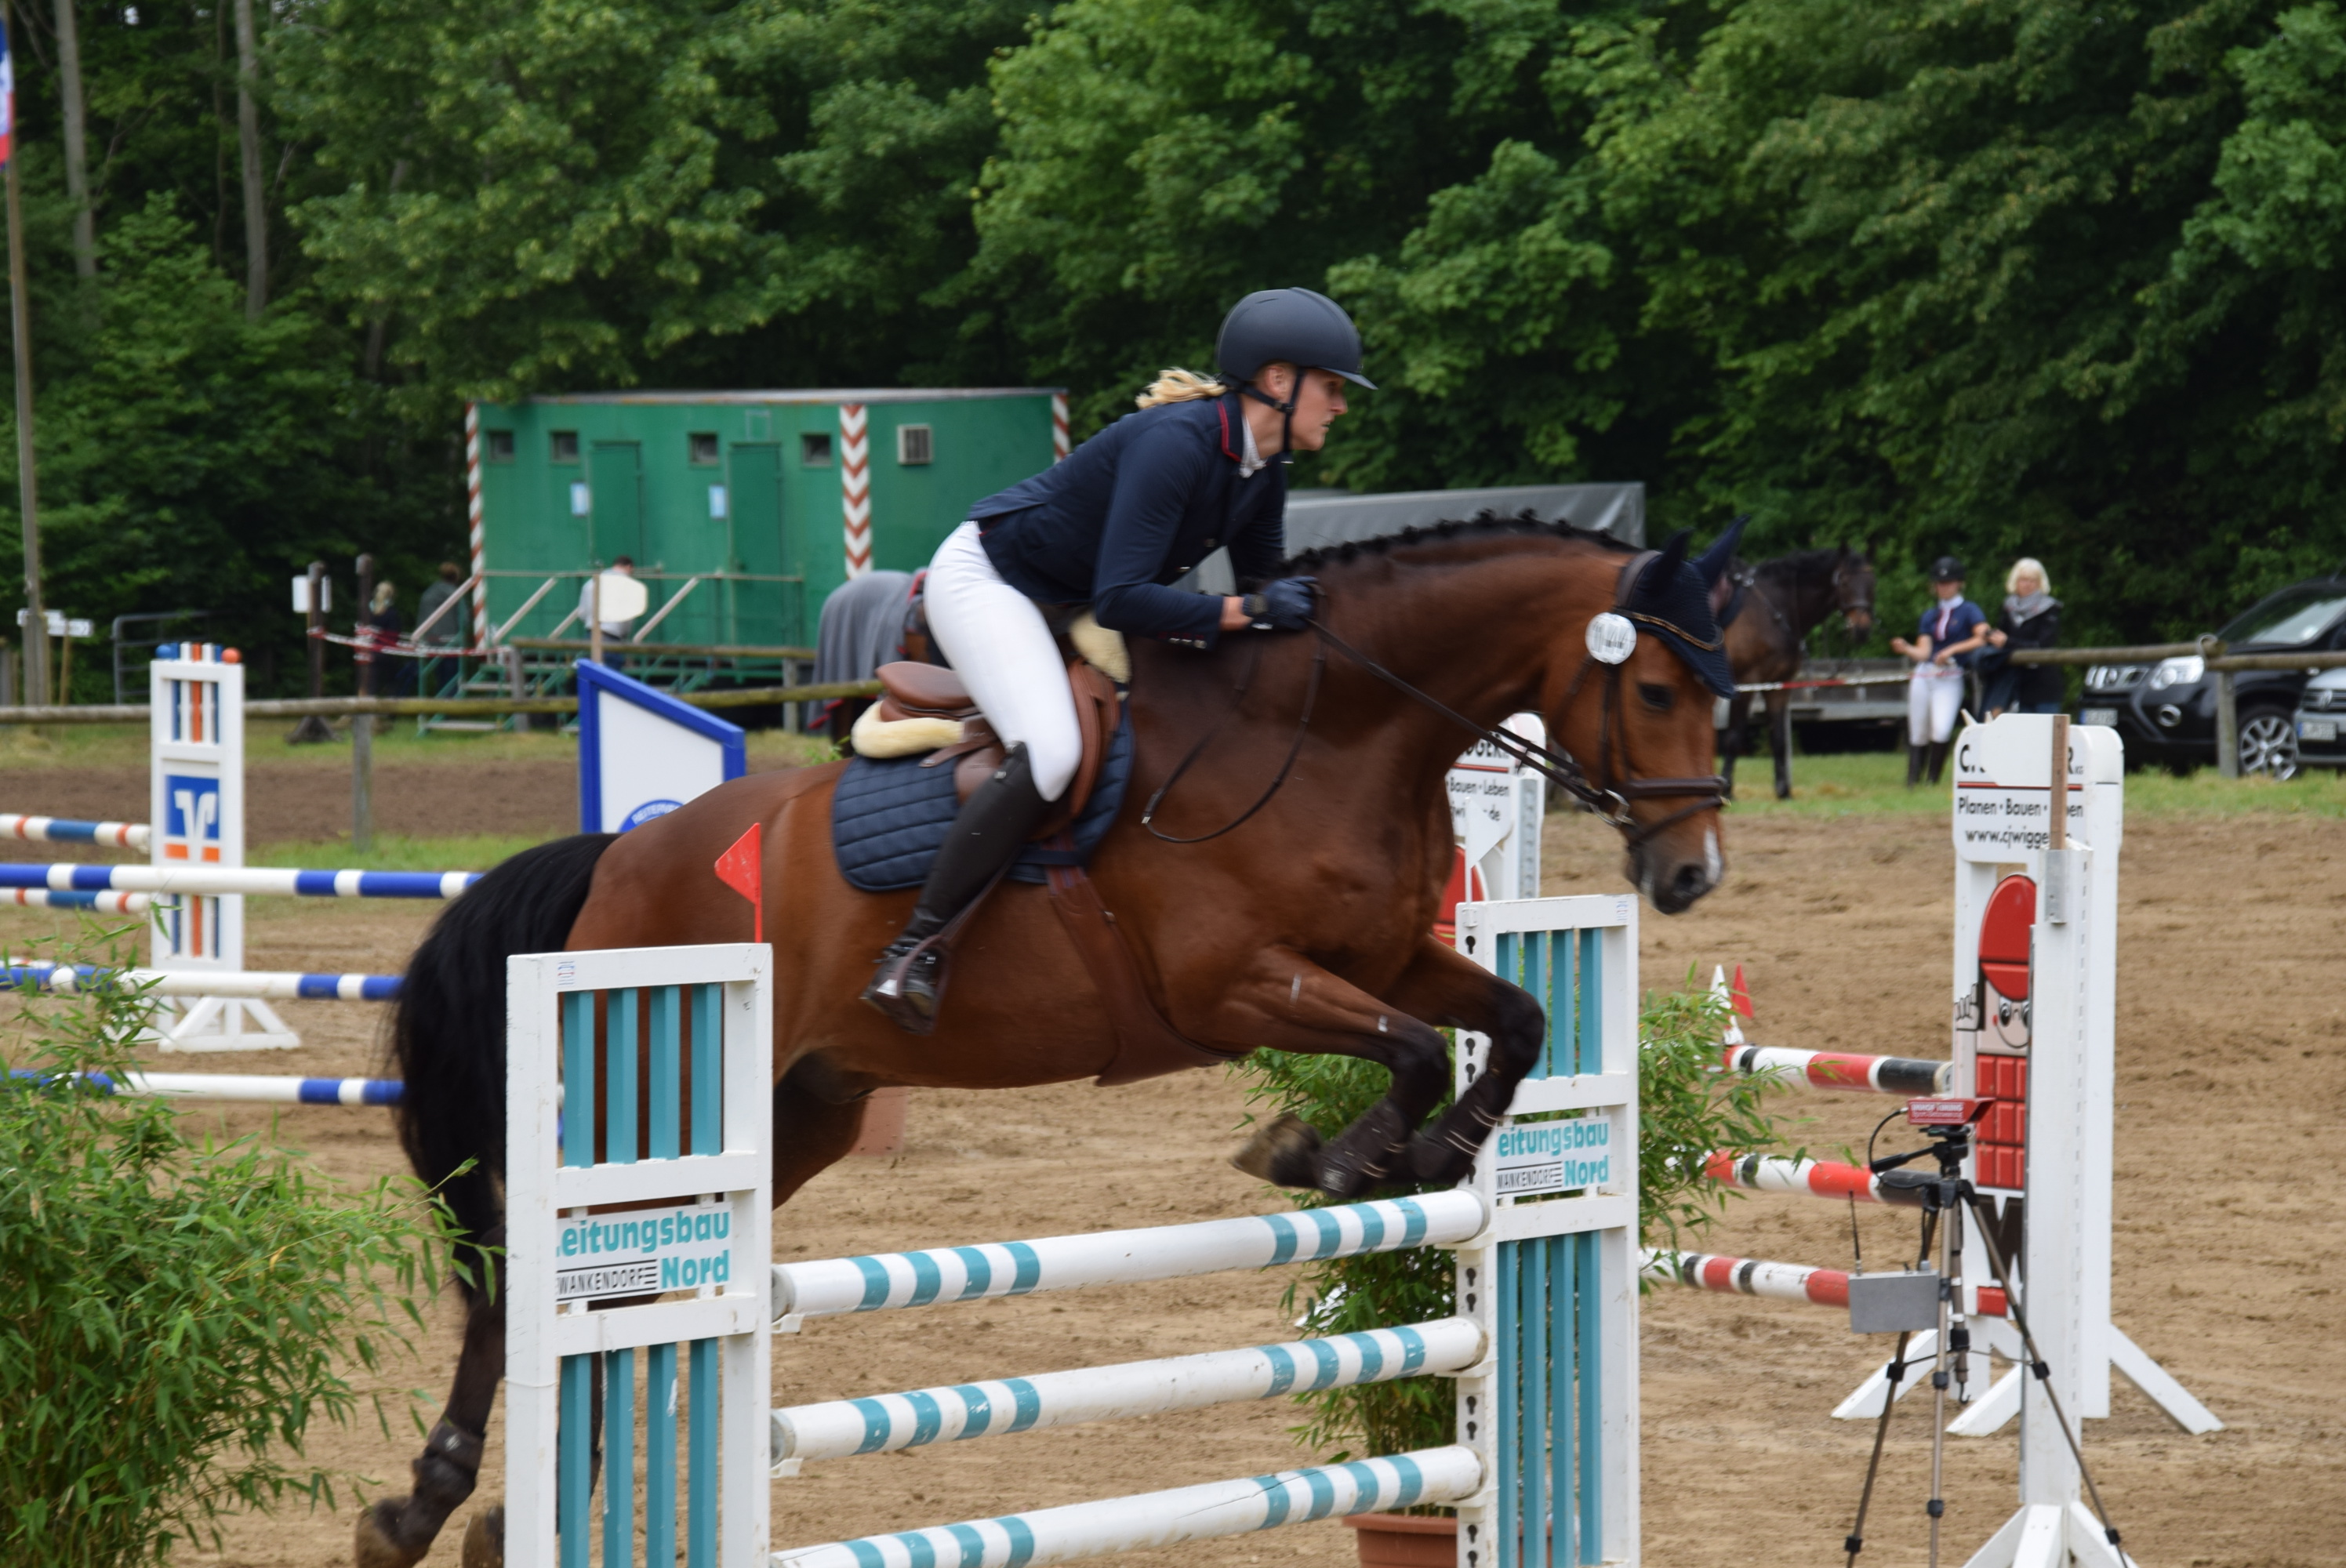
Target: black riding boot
{"x":993,"y":825}
{"x":1939,"y":749}
{"x":1914,"y":755}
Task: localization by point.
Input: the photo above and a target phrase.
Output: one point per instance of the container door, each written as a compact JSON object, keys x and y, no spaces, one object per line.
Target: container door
{"x":614,"y":484}
{"x":764,"y":614}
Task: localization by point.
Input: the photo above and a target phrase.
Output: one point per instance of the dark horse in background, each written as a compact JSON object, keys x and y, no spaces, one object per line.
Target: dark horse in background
{"x":1305,"y":929}
{"x":1767,"y":612}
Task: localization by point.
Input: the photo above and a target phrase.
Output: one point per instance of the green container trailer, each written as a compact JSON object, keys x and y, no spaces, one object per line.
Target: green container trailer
{"x":742,"y":510}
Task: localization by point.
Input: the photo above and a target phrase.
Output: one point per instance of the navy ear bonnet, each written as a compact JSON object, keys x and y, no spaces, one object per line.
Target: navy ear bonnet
{"x":1670,"y":598}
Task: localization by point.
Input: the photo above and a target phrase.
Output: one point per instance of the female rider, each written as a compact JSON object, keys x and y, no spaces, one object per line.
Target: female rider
{"x":1949,"y":630}
{"x":1129,"y":512}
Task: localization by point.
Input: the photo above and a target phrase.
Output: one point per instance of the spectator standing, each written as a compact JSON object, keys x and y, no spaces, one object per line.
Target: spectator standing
{"x":382,"y":625}
{"x":1950,"y":632}
{"x":2031,"y":619}
{"x":448,"y":630}
{"x":624,"y":594}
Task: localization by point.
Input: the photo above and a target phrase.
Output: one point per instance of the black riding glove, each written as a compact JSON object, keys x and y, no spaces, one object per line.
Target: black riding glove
{"x":1284,"y":605}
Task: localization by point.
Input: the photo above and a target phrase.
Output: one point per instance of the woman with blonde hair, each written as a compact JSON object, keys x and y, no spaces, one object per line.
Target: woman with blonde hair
{"x":2031,"y":619}
{"x":1195,"y":470}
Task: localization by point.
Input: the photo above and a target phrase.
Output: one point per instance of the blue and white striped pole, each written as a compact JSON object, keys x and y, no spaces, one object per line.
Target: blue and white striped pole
{"x":1205,"y":1512}
{"x":216,"y":880}
{"x":882,"y":1424}
{"x":892,"y":1280}
{"x":283,"y":985}
{"x":237,"y":1088}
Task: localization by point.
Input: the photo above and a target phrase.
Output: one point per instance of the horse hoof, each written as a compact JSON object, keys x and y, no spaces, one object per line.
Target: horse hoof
{"x":377,"y":1542}
{"x":1284,"y":1153}
{"x":484,"y":1540}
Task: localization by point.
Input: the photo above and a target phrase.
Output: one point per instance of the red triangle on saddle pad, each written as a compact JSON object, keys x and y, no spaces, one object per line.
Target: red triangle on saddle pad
{"x":742,"y":869}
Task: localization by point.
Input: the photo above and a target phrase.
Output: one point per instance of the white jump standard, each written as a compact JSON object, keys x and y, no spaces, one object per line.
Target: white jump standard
{"x":1543,"y":1346}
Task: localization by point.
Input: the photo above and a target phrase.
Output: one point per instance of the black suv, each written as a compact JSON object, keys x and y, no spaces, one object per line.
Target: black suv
{"x":2167,"y":711}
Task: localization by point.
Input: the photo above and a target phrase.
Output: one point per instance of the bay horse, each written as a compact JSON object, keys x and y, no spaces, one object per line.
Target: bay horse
{"x":1767,"y":619}
{"x":1305,"y":928}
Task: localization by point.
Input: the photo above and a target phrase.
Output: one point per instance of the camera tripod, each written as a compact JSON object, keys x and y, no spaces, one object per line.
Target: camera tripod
{"x":1947,"y":1194}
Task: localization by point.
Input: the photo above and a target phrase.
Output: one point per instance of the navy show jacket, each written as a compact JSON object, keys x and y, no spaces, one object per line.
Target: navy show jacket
{"x":1135,"y":507}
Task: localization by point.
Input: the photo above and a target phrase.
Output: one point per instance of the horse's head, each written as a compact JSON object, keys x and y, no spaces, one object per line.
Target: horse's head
{"x":1630,"y":697}
{"x":1852,"y":582}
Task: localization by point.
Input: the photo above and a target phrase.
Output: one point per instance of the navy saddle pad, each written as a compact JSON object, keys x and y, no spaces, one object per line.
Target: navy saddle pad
{"x":889,"y":817}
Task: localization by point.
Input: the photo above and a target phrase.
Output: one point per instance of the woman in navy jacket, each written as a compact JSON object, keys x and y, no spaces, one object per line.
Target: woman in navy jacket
{"x":1132,"y":510}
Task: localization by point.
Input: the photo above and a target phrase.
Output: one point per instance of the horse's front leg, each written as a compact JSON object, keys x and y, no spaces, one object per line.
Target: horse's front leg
{"x":1286,"y":1002}
{"x":396,"y":1532}
{"x":1779,"y":741}
{"x":1735,"y":737}
{"x":1453,"y":992}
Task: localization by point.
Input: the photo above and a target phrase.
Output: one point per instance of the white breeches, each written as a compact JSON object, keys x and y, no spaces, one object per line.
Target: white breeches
{"x":1932,"y":701}
{"x":1004,"y":654}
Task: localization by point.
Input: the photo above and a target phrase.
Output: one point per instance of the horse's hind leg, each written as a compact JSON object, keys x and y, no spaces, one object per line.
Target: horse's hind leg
{"x":396,"y":1532}
{"x":1289,"y":1004}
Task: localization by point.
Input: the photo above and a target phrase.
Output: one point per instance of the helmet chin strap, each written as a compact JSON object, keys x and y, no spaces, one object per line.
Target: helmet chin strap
{"x":1286,"y":415}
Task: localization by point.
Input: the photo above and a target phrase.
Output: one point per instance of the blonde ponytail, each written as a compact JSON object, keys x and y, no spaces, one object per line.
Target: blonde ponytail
{"x":1179,"y":386}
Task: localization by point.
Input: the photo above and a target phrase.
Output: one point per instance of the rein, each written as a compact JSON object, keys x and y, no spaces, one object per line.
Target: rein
{"x":1609,"y":802}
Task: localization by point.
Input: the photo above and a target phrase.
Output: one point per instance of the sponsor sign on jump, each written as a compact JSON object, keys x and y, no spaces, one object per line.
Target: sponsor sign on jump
{"x":642,"y":1252}
{"x":1553,"y":1156}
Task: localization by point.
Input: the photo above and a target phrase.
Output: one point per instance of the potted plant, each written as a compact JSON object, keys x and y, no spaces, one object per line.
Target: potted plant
{"x":1687,"y":1108}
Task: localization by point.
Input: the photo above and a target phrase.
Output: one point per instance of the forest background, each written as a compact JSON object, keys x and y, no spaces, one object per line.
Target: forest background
{"x":1983,"y":277}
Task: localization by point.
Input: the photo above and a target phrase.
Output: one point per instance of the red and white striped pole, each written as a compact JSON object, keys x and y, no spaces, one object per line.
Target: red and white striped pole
{"x":855,"y":487}
{"x":472,"y":523}
{"x":1777,"y":1281}
{"x":1060,"y":444}
{"x":1841,"y":1070}
{"x":1817,"y":1178}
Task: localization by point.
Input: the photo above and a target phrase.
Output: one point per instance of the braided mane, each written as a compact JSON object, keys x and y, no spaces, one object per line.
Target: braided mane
{"x":1482,"y":525}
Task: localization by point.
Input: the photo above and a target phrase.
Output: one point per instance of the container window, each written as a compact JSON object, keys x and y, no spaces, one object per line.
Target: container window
{"x":501,"y":447}
{"x":704,"y":445}
{"x":915,"y":444}
{"x":566,"y":445}
{"x":814,"y":449}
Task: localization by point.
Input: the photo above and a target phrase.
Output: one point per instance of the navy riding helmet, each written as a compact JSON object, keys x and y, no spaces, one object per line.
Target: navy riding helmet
{"x":1293,"y":326}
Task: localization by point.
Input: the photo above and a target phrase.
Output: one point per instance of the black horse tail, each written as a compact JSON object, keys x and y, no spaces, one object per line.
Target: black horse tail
{"x":448,"y":1033}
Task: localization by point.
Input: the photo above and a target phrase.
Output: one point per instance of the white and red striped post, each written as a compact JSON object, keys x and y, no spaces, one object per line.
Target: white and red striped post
{"x":855,"y":485}
{"x":472,"y":521}
{"x":1060,"y":444}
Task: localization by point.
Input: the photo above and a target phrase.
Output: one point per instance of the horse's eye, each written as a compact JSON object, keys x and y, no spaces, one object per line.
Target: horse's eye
{"x":1657,"y":698}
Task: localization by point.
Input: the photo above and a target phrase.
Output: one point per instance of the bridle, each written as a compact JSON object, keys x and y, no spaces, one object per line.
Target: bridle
{"x":1609,"y":800}
{"x":1847,"y":565}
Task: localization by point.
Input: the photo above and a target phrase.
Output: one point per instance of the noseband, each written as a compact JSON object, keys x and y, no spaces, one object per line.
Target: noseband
{"x":1602,"y":795}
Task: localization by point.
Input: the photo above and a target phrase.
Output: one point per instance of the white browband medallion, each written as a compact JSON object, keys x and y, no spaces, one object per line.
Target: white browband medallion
{"x":1611,"y":639}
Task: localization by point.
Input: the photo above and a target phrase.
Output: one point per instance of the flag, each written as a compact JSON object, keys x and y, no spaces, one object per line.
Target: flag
{"x":7,"y":98}
{"x":742,"y":868}
{"x":1741,"y":995}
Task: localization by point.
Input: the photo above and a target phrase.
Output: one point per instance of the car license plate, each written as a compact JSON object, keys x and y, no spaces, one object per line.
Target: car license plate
{"x":2316,"y":730}
{"x":2106,"y":717}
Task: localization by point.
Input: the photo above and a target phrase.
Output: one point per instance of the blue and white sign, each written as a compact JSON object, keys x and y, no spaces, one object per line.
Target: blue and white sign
{"x":1553,"y":1156}
{"x":642,"y":753}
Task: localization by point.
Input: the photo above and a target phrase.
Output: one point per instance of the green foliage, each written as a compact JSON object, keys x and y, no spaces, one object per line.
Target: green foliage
{"x":555,"y":197}
{"x":1968,"y":275}
{"x":1687,"y":1108}
{"x":174,"y":1316}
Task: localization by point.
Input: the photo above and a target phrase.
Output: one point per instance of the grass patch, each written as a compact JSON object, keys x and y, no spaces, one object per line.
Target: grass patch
{"x":1873,"y":783}
{"x":391,"y":852}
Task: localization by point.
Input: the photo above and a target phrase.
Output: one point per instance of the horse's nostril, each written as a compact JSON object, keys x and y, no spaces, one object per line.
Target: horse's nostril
{"x":1691,"y":882}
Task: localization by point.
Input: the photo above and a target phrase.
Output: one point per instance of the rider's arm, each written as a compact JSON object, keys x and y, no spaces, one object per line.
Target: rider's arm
{"x":1156,"y":476}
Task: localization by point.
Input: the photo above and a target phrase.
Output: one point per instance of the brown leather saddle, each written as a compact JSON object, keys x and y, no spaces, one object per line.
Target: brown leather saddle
{"x":1145,"y":1045}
